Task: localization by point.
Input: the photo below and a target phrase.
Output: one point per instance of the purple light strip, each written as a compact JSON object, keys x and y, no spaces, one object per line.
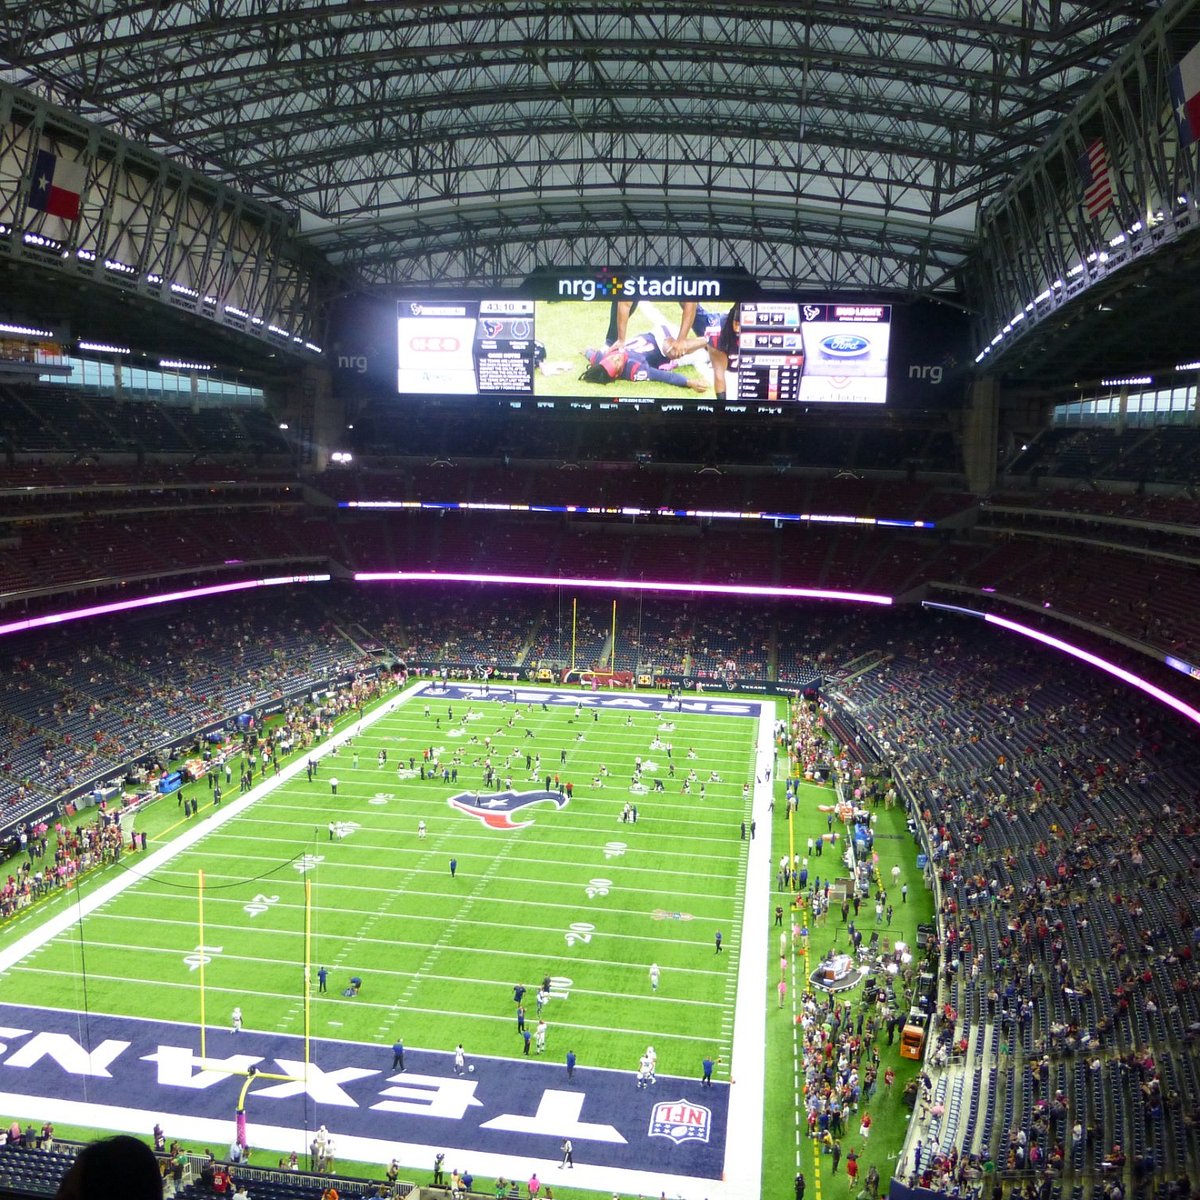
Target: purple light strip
{"x":621,"y":585}
{"x":1120,"y":673}
{"x":633,"y":511}
{"x":100,"y":610}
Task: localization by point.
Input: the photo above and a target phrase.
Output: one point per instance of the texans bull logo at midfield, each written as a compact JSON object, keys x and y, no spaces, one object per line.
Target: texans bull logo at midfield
{"x":495,"y":809}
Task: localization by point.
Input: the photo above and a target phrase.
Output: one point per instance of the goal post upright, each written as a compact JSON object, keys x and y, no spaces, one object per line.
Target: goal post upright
{"x":202,"y":956}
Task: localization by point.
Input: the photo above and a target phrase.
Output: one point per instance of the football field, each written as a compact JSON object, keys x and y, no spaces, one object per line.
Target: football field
{"x":136,"y":983}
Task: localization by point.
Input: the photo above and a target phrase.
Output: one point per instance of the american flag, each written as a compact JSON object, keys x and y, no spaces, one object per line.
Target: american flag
{"x":1097,"y":179}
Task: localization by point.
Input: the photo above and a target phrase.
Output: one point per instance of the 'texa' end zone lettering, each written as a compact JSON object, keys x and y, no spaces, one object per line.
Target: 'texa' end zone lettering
{"x":504,"y":1107}
{"x":622,"y":702}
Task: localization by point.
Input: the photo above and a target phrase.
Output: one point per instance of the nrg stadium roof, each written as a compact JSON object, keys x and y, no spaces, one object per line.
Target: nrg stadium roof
{"x":846,"y":145}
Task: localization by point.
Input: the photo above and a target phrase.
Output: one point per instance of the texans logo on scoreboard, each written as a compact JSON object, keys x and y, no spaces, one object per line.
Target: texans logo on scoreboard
{"x":681,"y":1121}
{"x":492,"y":328}
{"x":495,"y":809}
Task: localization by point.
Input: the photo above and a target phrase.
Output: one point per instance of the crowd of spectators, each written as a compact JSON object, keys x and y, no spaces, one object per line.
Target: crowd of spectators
{"x":1066,"y":847}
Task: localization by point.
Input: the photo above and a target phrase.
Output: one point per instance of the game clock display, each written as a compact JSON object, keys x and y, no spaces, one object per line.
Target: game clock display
{"x":770,"y":356}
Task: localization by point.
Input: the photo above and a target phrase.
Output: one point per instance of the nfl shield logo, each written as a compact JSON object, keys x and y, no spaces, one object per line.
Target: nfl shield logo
{"x":681,"y":1121}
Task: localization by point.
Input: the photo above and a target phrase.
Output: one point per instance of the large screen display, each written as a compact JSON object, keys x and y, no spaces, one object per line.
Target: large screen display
{"x":619,"y":352}
{"x":678,"y":343}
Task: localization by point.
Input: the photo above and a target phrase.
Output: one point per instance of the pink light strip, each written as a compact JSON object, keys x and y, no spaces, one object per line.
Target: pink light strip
{"x":100,"y":610}
{"x":621,"y":585}
{"x":1120,"y":673}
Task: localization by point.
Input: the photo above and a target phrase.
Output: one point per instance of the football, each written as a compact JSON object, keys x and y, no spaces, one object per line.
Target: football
{"x":471,"y":1067}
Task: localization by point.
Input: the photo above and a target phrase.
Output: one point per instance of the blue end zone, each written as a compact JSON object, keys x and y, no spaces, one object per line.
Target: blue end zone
{"x":121,"y":1066}
{"x":599,"y":699}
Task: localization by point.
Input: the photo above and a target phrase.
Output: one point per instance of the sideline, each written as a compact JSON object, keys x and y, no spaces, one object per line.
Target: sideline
{"x":744,"y":1137}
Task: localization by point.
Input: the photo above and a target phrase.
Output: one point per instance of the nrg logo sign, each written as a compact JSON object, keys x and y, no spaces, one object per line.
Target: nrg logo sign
{"x":930,"y":371}
{"x":352,"y":362}
{"x":635,"y":286}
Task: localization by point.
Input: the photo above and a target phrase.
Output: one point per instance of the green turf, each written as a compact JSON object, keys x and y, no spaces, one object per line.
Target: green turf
{"x":439,"y":955}
{"x":783,"y":1152}
{"x":568,"y":329}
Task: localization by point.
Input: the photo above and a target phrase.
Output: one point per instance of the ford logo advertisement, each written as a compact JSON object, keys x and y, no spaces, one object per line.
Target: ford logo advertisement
{"x":845,"y":345}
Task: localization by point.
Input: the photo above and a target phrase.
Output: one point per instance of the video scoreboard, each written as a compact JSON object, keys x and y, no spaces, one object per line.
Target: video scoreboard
{"x":668,"y":341}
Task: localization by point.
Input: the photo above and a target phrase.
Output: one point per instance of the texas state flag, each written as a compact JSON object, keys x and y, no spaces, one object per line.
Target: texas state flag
{"x":56,"y":185}
{"x":1184,"y":82}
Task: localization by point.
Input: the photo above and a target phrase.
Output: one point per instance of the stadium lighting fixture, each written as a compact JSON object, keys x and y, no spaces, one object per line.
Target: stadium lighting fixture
{"x":100,"y":610}
{"x":25,"y":331}
{"x":1111,"y":668}
{"x":1188,"y":366}
{"x":85,"y":255}
{"x":1131,"y":381}
{"x":341,"y":456}
{"x":283,"y":425}
{"x":622,"y":585}
{"x":175,"y":364}
{"x":103,"y":348}
{"x":1094,"y":660}
{"x":183,"y":290}
{"x":234,"y":311}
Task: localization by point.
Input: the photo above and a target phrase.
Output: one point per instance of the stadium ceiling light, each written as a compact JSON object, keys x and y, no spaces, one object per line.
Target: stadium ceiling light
{"x":25,"y":331}
{"x":175,"y":364}
{"x":313,"y":347}
{"x":233,"y":311}
{"x":86,"y":255}
{"x":1132,"y":381}
{"x":283,"y":425}
{"x":622,"y":585}
{"x":341,"y":456}
{"x":1188,"y":366}
{"x":103,"y":348}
